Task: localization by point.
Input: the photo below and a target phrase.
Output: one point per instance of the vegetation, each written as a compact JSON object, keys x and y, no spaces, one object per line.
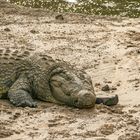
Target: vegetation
{"x":129,"y":8}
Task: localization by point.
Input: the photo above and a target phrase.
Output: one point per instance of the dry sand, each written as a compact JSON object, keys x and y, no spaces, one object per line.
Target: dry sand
{"x":107,"y":48}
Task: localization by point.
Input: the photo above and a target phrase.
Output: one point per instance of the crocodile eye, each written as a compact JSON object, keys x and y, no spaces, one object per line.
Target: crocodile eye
{"x":82,"y":76}
{"x":56,"y":83}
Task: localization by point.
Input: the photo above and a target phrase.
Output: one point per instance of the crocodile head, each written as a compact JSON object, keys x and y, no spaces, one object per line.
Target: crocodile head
{"x":73,"y":88}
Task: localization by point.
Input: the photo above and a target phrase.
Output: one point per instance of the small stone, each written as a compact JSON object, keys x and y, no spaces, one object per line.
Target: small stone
{"x":118,"y":84}
{"x":52,"y":124}
{"x":109,"y":82}
{"x":7,"y":30}
{"x":105,"y":88}
{"x":35,"y":128}
{"x":34,"y":31}
{"x":136,"y":86}
{"x":59,"y":17}
{"x":130,"y":46}
{"x":113,"y":88}
{"x":97,"y":84}
{"x":138,"y":51}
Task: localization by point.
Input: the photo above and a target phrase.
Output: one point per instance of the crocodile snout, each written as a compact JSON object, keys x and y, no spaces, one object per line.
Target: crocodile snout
{"x":85,"y":99}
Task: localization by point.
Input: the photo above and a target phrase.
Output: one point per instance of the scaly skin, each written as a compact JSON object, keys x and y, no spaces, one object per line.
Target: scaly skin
{"x":25,"y":74}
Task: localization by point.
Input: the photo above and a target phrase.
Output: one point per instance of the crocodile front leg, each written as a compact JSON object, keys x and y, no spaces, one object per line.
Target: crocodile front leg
{"x":19,"y":93}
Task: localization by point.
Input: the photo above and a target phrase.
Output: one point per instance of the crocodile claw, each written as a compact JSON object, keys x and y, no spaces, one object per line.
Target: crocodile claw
{"x":26,"y":103}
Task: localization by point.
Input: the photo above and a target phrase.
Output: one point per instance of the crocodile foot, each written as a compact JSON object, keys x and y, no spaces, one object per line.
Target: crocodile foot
{"x":21,"y":98}
{"x":26,"y":103}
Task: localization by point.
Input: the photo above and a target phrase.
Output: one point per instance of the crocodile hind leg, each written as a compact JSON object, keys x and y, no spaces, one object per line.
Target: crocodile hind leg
{"x":19,"y":93}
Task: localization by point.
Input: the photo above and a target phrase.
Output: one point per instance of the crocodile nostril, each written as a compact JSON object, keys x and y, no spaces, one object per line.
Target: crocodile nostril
{"x":87,"y":99}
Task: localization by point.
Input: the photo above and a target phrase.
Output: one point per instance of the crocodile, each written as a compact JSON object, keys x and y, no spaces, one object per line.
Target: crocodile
{"x":26,"y":75}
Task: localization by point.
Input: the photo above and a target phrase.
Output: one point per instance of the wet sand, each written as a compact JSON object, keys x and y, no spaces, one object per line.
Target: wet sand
{"x":107,"y":48}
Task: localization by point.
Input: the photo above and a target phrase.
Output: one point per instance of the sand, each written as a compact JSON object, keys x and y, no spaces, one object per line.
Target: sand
{"x":107,"y":48}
